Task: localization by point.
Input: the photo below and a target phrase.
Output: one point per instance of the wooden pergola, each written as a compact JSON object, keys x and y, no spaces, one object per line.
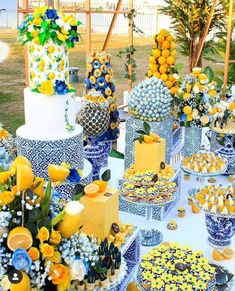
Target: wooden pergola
{"x":25,"y":9}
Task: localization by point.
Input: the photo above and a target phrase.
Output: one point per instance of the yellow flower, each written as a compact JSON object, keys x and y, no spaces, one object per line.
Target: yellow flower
{"x":187,"y":109}
{"x":51,"y":76}
{"x":47,"y":250}
{"x":36,"y":40}
{"x":204,"y":119}
{"x":231,"y":106}
{"x":6,"y":197}
{"x":59,"y":274}
{"x":190,"y":278}
{"x":186,"y":95}
{"x":4,"y":134}
{"x":46,"y":88}
{"x":37,"y":21}
{"x":148,"y":276}
{"x":166,"y":277}
{"x":4,"y":176}
{"x":43,"y":234}
{"x":62,"y":37}
{"x":35,"y":33}
{"x":171,"y":287}
{"x":51,"y":49}
{"x":55,"y":237}
{"x":34,"y":253}
{"x":56,"y":258}
{"x":189,"y":117}
{"x":64,"y":31}
{"x":200,"y":285}
{"x":157,"y":284}
{"x":39,"y":11}
{"x":204,"y":276}
{"x":202,"y":77}
{"x":212,"y":93}
{"x":186,"y":287}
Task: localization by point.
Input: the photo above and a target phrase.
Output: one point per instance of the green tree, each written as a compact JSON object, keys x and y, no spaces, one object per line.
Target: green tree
{"x":189,"y":18}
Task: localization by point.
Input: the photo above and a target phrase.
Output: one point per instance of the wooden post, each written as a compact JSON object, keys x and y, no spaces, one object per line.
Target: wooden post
{"x":26,"y":7}
{"x":88,"y":26}
{"x":131,"y":37}
{"x":112,"y":25}
{"x":49,"y":3}
{"x":57,"y":4}
{"x":205,"y":33}
{"x":228,"y":43}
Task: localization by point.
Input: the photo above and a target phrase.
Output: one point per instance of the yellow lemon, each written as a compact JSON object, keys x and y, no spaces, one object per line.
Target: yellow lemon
{"x":57,"y":173}
{"x":160,"y":38}
{"x":173,"y":53}
{"x":163,"y":69}
{"x":152,"y":60}
{"x":172,"y":46}
{"x":163,"y":32}
{"x":227,"y":253}
{"x":188,"y":109}
{"x":170,"y":60}
{"x":102,"y":184}
{"x":156,"y":53}
{"x":168,"y":84}
{"x":24,"y":177}
{"x":92,"y":190}
{"x":154,"y":136}
{"x":217,"y":256}
{"x":153,"y":68}
{"x":166,"y":44}
{"x":23,"y":285}
{"x":164,"y":77}
{"x":157,"y":75}
{"x":161,"y":60}
{"x":173,"y":90}
{"x":165,"y":53}
{"x":148,"y":139}
{"x":19,"y":237}
{"x":169,"y":38}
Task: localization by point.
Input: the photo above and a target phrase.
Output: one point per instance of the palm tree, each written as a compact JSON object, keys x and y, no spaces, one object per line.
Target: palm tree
{"x":189,"y":18}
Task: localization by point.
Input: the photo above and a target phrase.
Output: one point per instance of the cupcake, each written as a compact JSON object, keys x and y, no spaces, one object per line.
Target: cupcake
{"x":186,"y":177}
{"x":190,"y":200}
{"x":91,"y":277}
{"x":152,"y":193}
{"x":172,"y":225}
{"x":181,"y":212}
{"x":81,"y":285}
{"x":147,"y":181}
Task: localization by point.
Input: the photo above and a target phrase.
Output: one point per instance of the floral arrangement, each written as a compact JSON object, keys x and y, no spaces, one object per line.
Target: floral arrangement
{"x":162,"y":60}
{"x":194,"y":98}
{"x":41,"y":239}
{"x":7,"y":146}
{"x":47,"y":24}
{"x":223,"y":113}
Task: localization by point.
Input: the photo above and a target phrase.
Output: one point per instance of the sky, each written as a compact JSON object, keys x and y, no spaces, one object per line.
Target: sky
{"x":10,"y":16}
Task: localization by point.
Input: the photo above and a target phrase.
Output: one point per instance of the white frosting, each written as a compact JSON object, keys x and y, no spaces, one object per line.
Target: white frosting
{"x":49,"y":117}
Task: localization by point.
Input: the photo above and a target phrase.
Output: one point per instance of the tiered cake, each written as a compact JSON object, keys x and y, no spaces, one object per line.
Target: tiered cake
{"x":50,"y":134}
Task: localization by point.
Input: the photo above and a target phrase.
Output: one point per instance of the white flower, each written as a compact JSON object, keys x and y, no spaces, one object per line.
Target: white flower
{"x":74,"y":207}
{"x":196,"y":89}
{"x":67,"y":26}
{"x":77,"y":270}
{"x":195,"y":113}
{"x":176,"y":76}
{"x":31,"y":28}
{"x":60,"y":22}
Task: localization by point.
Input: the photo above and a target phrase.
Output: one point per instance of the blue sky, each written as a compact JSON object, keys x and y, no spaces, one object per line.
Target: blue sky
{"x":10,"y":6}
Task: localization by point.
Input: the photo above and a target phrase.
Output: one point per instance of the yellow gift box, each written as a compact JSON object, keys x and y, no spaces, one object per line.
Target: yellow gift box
{"x":100,"y":213}
{"x":149,"y":156}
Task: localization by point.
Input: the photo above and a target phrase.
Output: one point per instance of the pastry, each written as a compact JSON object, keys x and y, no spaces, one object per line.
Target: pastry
{"x":181,"y":212}
{"x":172,"y":225}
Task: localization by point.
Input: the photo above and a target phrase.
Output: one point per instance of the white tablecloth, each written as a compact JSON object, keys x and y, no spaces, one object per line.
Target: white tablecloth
{"x":191,"y":229}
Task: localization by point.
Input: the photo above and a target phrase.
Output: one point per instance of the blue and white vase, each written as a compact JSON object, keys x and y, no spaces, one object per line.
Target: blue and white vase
{"x":192,"y":140}
{"x":107,"y":147}
{"x":228,"y":151}
{"x":94,"y":153}
{"x":220,"y":229}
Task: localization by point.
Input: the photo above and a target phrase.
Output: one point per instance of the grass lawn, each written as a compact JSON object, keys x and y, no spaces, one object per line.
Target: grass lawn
{"x":12,"y":72}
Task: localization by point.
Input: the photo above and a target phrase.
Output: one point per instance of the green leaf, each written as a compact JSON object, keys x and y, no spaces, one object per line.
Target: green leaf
{"x":72,"y":33}
{"x":27,"y":40}
{"x":44,"y":25}
{"x":179,"y":67}
{"x":55,"y":26}
{"x":77,"y":197}
{"x":79,"y":23}
{"x":209,"y":72}
{"x":42,"y":38}
{"x":141,"y":132}
{"x":147,"y":128}
{"x":59,"y":42}
{"x":78,"y":189}
{"x":36,"y":185}
{"x":58,"y":218}
{"x":35,"y":90}
{"x":106,"y":175}
{"x":47,"y":199}
{"x":72,"y":90}
{"x":32,"y":227}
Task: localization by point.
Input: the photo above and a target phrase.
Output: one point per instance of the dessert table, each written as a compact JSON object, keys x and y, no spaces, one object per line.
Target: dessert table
{"x":191,"y":229}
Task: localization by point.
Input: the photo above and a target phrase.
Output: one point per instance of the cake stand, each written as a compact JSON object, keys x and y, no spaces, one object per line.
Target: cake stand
{"x":227,"y":150}
{"x":150,"y":236}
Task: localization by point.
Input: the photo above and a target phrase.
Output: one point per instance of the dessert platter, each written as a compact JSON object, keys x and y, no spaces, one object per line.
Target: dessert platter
{"x":64,"y":225}
{"x":204,"y":164}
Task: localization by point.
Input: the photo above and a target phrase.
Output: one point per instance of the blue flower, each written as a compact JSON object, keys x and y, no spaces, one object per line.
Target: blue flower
{"x":115,"y":115}
{"x":108,"y":65}
{"x":96,"y":64}
{"x":61,"y":87}
{"x":21,"y":260}
{"x":183,"y":117}
{"x":101,"y":82}
{"x":73,"y":176}
{"x":51,"y":14}
{"x":87,"y":83}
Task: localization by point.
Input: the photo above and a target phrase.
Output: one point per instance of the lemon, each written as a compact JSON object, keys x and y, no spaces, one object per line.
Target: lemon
{"x":19,"y":237}
{"x":102,"y":184}
{"x":57,"y":173}
{"x":92,"y":190}
{"x":23,"y":285}
{"x":148,"y":139}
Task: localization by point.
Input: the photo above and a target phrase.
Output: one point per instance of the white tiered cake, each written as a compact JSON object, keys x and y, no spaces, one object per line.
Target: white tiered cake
{"x":50,"y":134}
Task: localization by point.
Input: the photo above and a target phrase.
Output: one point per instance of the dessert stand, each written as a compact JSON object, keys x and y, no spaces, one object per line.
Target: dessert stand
{"x":151,"y":236}
{"x":221,"y":227}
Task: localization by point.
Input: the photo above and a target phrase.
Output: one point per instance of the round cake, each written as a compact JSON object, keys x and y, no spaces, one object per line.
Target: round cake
{"x":173,"y":267}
